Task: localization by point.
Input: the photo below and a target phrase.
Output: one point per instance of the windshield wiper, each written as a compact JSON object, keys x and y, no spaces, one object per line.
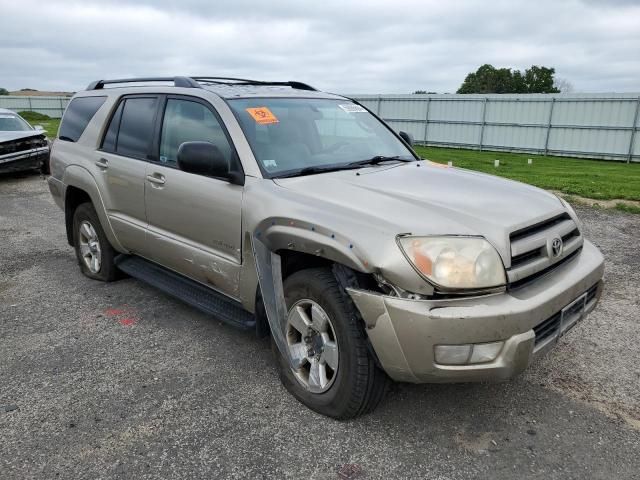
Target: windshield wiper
{"x":379,"y":159}
{"x":345,"y":166}
{"x":317,"y":169}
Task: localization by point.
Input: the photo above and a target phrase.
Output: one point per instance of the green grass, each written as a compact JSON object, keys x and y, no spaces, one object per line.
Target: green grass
{"x":49,"y":124}
{"x":627,"y":208}
{"x":597,"y":179}
{"x":33,"y":116}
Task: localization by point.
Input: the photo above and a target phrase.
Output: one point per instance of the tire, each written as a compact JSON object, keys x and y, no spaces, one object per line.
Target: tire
{"x":357,"y":385}
{"x":45,"y":168}
{"x":86,"y":226}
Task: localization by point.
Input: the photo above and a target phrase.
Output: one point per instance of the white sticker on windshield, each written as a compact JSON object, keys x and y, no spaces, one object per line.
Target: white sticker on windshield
{"x":270,"y":163}
{"x":352,"y":108}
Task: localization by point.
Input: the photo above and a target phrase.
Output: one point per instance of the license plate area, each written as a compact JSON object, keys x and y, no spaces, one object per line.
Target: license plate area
{"x":572,"y":313}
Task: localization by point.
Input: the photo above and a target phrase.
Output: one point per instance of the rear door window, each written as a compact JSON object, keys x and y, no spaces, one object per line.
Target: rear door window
{"x":77,"y":116}
{"x":136,"y":127}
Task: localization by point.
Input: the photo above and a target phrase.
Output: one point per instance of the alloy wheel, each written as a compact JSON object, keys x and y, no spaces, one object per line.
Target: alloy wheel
{"x":312,"y":344}
{"x":90,"y":250}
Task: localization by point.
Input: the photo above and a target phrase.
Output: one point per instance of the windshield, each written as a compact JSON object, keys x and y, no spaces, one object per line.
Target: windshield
{"x":13,"y":123}
{"x":291,"y":134}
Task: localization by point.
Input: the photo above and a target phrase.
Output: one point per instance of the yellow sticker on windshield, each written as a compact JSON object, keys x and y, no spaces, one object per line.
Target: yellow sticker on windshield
{"x":262,"y":115}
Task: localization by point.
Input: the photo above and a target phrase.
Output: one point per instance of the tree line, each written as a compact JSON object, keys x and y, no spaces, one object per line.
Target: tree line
{"x":489,"y":79}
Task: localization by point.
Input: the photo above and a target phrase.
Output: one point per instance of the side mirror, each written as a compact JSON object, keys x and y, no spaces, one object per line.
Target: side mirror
{"x":39,"y":128}
{"x":204,"y":158}
{"x":407,"y":137}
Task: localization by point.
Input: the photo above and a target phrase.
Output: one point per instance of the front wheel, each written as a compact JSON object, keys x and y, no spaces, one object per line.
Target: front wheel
{"x":333,"y":372}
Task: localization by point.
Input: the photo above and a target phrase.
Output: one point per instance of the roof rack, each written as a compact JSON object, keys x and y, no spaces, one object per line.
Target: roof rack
{"x":177,"y":82}
{"x":193,"y":82}
{"x":245,"y":81}
{"x":224,"y":79}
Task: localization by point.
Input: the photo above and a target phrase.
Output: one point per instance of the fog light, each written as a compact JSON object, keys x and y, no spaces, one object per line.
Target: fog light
{"x":452,"y":354}
{"x":467,"y":354}
{"x":485,"y":352}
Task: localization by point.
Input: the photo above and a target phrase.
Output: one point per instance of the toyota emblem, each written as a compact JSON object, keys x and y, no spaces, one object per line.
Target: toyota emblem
{"x":556,"y":247}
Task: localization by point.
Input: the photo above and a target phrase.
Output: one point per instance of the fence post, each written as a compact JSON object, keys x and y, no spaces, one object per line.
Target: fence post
{"x":426,"y":120}
{"x":546,"y":140}
{"x":30,"y":107}
{"x":378,"y":106}
{"x":633,"y":130}
{"x":61,"y":107}
{"x":484,"y":116}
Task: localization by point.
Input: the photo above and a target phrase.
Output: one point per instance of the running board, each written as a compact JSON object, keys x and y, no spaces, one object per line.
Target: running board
{"x":187,"y":290}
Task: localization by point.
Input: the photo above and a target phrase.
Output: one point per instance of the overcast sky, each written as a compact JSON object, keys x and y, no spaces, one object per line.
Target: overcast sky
{"x":341,"y":46}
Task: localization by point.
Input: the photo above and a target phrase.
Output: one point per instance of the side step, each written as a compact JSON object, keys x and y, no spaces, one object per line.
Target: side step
{"x":187,"y":290}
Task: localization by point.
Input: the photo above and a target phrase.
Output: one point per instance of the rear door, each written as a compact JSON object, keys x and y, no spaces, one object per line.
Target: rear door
{"x":194,"y":220}
{"x":120,"y":167}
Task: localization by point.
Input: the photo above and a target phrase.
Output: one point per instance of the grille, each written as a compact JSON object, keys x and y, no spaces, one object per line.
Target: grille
{"x":547,"y":329}
{"x":551,"y":326}
{"x":531,"y":254}
{"x":591,"y":294}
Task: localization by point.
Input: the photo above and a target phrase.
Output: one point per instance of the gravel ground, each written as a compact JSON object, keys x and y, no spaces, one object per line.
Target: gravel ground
{"x":119,"y":381}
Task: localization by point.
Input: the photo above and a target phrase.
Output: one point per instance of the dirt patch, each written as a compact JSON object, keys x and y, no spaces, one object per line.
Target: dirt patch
{"x":474,"y":442}
{"x":23,"y":261}
{"x":590,"y":202}
{"x":580,"y":390}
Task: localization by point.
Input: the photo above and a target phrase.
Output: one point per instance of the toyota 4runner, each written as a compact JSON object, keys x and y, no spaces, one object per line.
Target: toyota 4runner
{"x":302,"y":215}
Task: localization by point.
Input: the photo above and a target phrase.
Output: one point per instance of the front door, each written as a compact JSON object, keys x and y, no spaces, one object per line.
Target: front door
{"x":194,"y":220}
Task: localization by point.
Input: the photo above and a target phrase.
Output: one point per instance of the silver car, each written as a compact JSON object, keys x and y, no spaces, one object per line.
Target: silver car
{"x":22,"y":147}
{"x":301,"y":215}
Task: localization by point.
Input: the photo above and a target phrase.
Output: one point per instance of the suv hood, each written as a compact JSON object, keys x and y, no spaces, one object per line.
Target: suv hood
{"x":426,"y":198}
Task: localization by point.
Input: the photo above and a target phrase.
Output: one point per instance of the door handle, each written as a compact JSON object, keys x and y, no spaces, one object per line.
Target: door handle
{"x":156,"y":179}
{"x":102,"y":163}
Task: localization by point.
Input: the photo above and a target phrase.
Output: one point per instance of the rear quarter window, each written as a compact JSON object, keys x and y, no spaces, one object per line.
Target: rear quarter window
{"x":77,"y":116}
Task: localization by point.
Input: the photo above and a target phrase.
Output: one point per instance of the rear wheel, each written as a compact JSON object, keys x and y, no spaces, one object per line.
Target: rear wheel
{"x":94,"y":252}
{"x":333,"y":372}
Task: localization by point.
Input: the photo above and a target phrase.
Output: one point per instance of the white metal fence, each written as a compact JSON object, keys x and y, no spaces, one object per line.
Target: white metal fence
{"x":52,"y":106}
{"x":577,"y":125}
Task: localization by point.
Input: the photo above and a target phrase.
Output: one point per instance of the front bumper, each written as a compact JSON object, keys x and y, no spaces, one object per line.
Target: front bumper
{"x":404,"y":332}
{"x":25,"y":160}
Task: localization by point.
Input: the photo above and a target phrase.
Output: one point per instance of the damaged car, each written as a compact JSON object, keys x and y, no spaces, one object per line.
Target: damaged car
{"x":22,"y":147}
{"x":301,"y":215}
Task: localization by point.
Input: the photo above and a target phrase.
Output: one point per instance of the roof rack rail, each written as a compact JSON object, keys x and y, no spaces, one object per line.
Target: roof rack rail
{"x":230,"y":79}
{"x":245,"y":81}
{"x":186,"y":82}
{"x":192,"y":82}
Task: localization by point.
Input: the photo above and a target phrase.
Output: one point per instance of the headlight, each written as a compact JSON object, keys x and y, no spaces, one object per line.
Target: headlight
{"x":455,"y":262}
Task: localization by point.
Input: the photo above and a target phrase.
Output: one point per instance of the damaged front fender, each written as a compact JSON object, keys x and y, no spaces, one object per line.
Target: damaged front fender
{"x":269,"y":270}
